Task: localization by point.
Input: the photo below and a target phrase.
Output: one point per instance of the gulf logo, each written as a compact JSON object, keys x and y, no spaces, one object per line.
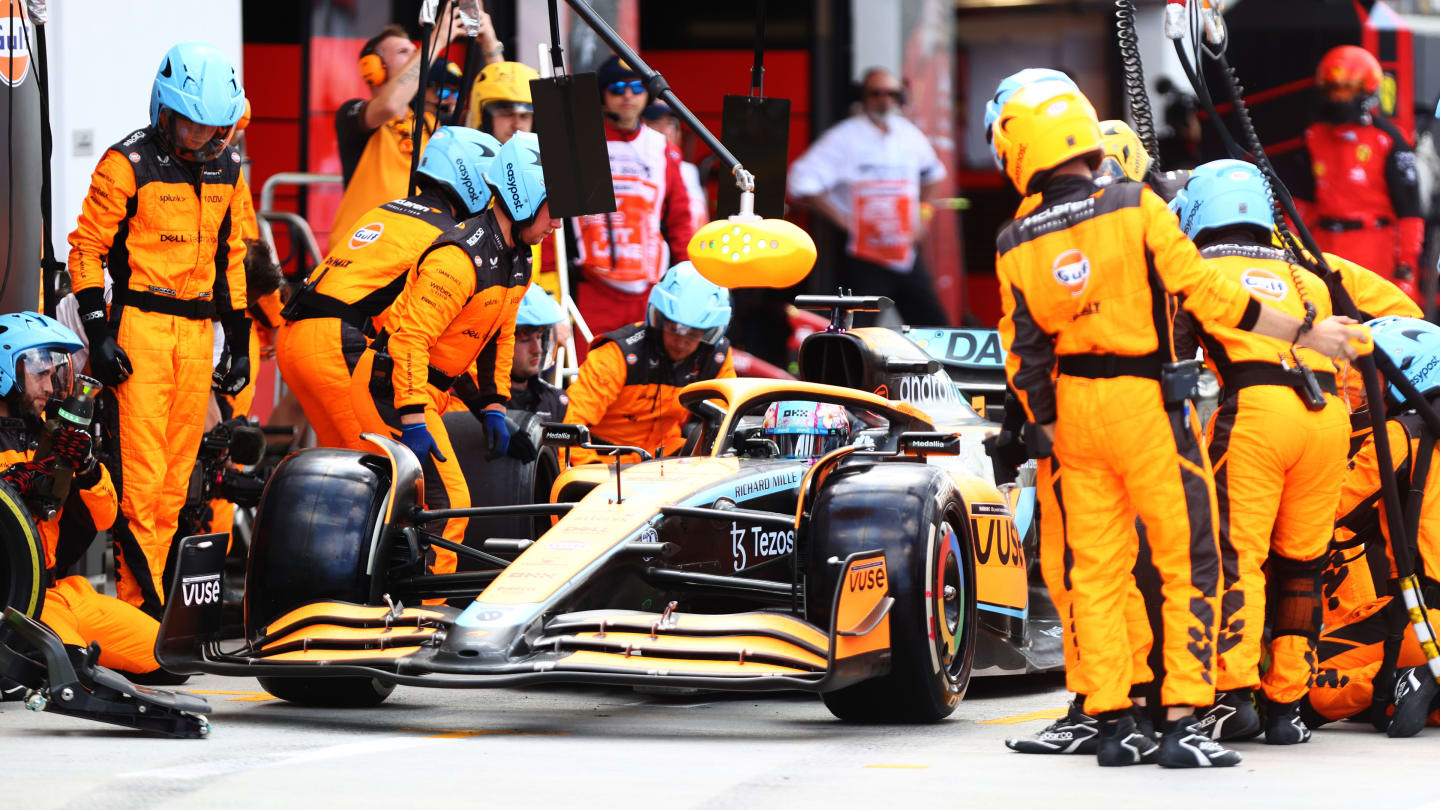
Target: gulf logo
{"x":14,"y":44}
{"x":366,"y":234}
{"x":1264,"y":283}
{"x":1072,"y":269}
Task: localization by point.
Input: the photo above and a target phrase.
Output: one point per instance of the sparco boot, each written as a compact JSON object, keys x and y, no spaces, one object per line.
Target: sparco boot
{"x":1075,"y":733}
{"x":1121,"y":743}
{"x":1233,"y":717}
{"x":1414,"y":693}
{"x":1185,"y":746}
{"x":1283,"y":725}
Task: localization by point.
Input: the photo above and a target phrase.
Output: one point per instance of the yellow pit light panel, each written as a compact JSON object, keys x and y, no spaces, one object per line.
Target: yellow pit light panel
{"x":747,"y":251}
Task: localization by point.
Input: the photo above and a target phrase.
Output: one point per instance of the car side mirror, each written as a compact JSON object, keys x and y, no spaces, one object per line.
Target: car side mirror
{"x":561,"y":434}
{"x":928,"y":443}
{"x":894,"y":365}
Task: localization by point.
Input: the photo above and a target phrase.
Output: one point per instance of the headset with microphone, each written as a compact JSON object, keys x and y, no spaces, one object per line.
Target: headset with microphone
{"x":372,"y":67}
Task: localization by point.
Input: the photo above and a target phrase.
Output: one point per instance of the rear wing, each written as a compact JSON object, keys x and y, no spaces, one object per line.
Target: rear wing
{"x":975,"y":359}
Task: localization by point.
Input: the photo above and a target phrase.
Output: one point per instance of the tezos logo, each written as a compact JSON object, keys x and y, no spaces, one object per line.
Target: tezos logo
{"x":1264,"y":283}
{"x":366,"y":234}
{"x":201,"y":590}
{"x":1072,"y":269}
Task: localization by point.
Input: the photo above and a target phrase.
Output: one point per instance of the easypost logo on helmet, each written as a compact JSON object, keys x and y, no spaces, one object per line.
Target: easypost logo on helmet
{"x":462,"y":173}
{"x":1265,"y":283}
{"x":1072,"y":269}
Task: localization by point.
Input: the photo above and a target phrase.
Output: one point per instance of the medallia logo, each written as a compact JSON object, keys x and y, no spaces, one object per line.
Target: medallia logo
{"x":1072,"y":269}
{"x":1264,"y":283}
{"x":366,"y":235}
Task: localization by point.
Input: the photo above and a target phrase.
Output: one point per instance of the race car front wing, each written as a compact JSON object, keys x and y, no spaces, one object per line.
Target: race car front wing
{"x":444,"y":647}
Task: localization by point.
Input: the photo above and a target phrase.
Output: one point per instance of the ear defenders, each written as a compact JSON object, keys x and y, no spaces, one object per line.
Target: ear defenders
{"x":372,"y":69}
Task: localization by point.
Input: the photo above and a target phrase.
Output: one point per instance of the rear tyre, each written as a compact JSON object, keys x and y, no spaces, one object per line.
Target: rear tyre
{"x":311,"y":543}
{"x":330,"y":693}
{"x":913,"y":514}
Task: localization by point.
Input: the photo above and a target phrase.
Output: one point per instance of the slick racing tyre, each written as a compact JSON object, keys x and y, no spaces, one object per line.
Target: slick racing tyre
{"x":22,"y":559}
{"x":912,"y":513}
{"x":501,"y":481}
{"x":313,"y":532}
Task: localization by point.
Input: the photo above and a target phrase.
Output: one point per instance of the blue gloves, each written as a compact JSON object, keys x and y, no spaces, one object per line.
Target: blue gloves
{"x":497,"y":433}
{"x":417,"y":437}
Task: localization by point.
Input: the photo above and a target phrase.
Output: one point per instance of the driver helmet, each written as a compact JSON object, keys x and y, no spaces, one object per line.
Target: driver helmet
{"x":196,"y":86}
{"x":804,"y":429}
{"x":35,"y":351}
{"x":685,"y":301}
{"x":1413,"y":345}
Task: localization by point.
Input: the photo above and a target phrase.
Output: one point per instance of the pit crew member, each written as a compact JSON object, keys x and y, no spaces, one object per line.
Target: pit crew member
{"x":1104,"y":327}
{"x":626,"y":390}
{"x":457,"y":311}
{"x":348,"y":297}
{"x":534,"y":341}
{"x":1277,"y":446}
{"x":161,"y":216}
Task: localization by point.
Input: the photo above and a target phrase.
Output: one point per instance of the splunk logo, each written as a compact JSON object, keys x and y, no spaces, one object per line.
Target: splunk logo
{"x":201,"y":590}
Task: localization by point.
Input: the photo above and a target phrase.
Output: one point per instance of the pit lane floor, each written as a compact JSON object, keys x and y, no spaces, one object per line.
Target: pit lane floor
{"x":603,"y":748}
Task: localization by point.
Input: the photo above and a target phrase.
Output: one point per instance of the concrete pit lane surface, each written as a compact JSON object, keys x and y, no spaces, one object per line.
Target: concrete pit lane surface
{"x":614,"y":748}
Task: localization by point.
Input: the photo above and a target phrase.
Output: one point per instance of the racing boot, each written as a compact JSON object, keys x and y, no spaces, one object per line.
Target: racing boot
{"x":1122,"y":743}
{"x":1414,"y":694}
{"x":1075,"y":733}
{"x":1183,"y":745}
{"x":1283,"y":724}
{"x":1233,"y":717}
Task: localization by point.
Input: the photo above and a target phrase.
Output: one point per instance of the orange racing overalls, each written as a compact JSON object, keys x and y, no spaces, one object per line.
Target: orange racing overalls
{"x":72,"y":608}
{"x":1278,"y":466}
{"x":345,"y":300}
{"x":167,"y":232}
{"x":456,"y":313}
{"x":626,"y":392}
{"x":1083,"y":282}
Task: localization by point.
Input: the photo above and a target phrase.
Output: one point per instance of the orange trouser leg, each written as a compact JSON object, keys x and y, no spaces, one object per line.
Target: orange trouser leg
{"x":317,"y":357}
{"x":1124,"y":454}
{"x":1055,"y":563}
{"x":79,"y":616}
{"x":162,"y":417}
{"x":1278,"y":470}
{"x":445,"y":485}
{"x":1351,"y":653}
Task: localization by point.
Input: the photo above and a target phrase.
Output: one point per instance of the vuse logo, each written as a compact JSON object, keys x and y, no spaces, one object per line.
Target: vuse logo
{"x":201,"y":590}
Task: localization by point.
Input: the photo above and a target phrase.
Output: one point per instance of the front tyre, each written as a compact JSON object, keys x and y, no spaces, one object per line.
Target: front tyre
{"x":330,"y":693}
{"x":914,"y":515}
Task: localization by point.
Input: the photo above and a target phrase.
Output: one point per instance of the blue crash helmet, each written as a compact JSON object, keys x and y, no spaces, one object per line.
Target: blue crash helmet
{"x":31,"y":344}
{"x":1224,"y":194}
{"x":518,"y":177}
{"x":1007,"y":88}
{"x":195,"y":80}
{"x":457,"y":158}
{"x":1413,"y":345}
{"x":688,"y":300}
{"x":537,"y":308}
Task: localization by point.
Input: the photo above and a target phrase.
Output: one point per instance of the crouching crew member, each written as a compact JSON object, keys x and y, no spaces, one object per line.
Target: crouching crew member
{"x":534,"y":341}
{"x":34,"y":372}
{"x":1084,"y":283}
{"x":457,"y":310}
{"x":626,"y":390}
{"x":1277,"y":446}
{"x":162,"y":216}
{"x":348,"y":296}
{"x":1360,"y":571}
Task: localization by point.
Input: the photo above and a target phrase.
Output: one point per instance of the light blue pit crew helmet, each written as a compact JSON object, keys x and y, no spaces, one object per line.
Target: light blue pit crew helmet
{"x":31,"y":343}
{"x":1413,"y":345}
{"x":457,"y":158}
{"x":196,"y":81}
{"x":537,"y":308}
{"x":1224,"y":194}
{"x":518,"y":177}
{"x":1008,"y":87}
{"x":686,"y":299}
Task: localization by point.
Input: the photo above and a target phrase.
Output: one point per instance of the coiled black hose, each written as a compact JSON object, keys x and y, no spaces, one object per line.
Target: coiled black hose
{"x":1135,"y":94}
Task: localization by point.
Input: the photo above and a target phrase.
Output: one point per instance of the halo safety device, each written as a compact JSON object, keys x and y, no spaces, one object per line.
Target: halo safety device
{"x":1224,"y":194}
{"x":457,"y":158}
{"x":196,"y":83}
{"x":40,"y":343}
{"x":518,"y":177}
{"x":1125,"y":157}
{"x":684,"y":298}
{"x":1007,"y":88}
{"x":1041,"y":127}
{"x":1347,"y":72}
{"x":805,"y":429}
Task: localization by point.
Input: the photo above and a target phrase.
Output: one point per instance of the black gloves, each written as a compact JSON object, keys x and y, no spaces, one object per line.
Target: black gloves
{"x":233,"y":372}
{"x":108,"y":362}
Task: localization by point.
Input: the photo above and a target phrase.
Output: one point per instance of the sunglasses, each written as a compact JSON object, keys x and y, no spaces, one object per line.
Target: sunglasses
{"x":447,"y":93}
{"x":618,"y":88}
{"x":898,"y":95}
